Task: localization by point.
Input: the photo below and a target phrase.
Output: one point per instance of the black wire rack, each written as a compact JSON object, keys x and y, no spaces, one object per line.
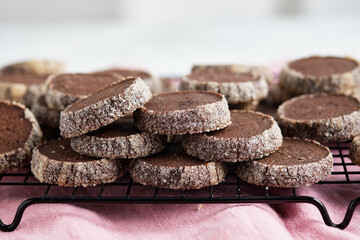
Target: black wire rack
{"x":233,"y":190}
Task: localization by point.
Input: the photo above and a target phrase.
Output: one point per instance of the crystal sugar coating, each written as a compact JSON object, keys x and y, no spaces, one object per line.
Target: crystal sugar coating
{"x":104,"y":107}
{"x":324,"y":117}
{"x":297,"y":163}
{"x":251,"y":135}
{"x":178,"y":113}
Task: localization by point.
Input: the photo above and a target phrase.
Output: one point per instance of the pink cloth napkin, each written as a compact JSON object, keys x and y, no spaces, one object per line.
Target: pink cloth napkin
{"x":176,"y":221}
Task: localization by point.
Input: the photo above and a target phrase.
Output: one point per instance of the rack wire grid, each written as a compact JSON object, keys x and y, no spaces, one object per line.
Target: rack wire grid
{"x":233,"y":190}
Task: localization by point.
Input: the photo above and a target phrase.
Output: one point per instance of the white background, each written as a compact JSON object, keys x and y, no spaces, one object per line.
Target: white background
{"x":167,"y":36}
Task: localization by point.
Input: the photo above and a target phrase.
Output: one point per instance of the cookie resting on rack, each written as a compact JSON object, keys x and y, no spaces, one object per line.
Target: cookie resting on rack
{"x":174,"y":169}
{"x":324,"y":117}
{"x":297,"y":163}
{"x":19,"y":134}
{"x":56,"y":163}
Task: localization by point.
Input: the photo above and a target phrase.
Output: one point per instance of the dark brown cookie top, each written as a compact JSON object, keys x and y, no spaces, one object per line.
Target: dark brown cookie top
{"x":108,"y":92}
{"x":23,"y":78}
{"x":296,"y":152}
{"x":323,"y":66}
{"x":245,"y":124}
{"x":320,"y":106}
{"x":127,"y":73}
{"x":61,"y":150}
{"x":81,"y":84}
{"x":222,"y":77}
{"x":15,"y":129}
{"x":173,"y":157}
{"x":182,"y":100}
{"x":120,"y":128}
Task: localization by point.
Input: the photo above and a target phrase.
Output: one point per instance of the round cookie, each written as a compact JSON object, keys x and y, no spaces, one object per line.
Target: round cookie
{"x":65,"y":89}
{"x":232,"y":68}
{"x":174,"y":169}
{"x":297,"y":163}
{"x":178,"y":113}
{"x":321,"y":74}
{"x":38,"y":67}
{"x":19,"y":134}
{"x":236,"y":87}
{"x":251,"y":135}
{"x":24,"y":88}
{"x":118,"y":140}
{"x":45,"y":115}
{"x":355,"y":150}
{"x":56,"y":163}
{"x":324,"y":117}
{"x":154,"y":83}
{"x":104,"y":107}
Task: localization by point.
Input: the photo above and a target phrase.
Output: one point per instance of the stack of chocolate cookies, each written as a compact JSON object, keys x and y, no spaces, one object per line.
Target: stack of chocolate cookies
{"x":110,"y":124}
{"x":63,"y":90}
{"x":180,"y":113}
{"x":97,"y":160}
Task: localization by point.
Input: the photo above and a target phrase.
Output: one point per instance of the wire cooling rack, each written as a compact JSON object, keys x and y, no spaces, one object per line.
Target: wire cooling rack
{"x":233,"y":190}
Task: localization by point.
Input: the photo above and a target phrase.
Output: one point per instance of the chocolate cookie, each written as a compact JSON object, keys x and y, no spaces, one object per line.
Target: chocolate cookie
{"x":118,"y":140}
{"x":297,"y":163}
{"x":24,"y":88}
{"x":232,"y":68}
{"x":65,"y":89}
{"x":45,"y":115}
{"x":104,"y":107}
{"x":178,"y":113}
{"x":56,"y":163}
{"x":19,"y":134}
{"x":251,"y":135}
{"x":38,"y":67}
{"x":174,"y":169}
{"x":321,"y":74}
{"x":154,"y":83}
{"x":355,"y":150}
{"x":237,"y":87}
{"x":324,"y":117}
